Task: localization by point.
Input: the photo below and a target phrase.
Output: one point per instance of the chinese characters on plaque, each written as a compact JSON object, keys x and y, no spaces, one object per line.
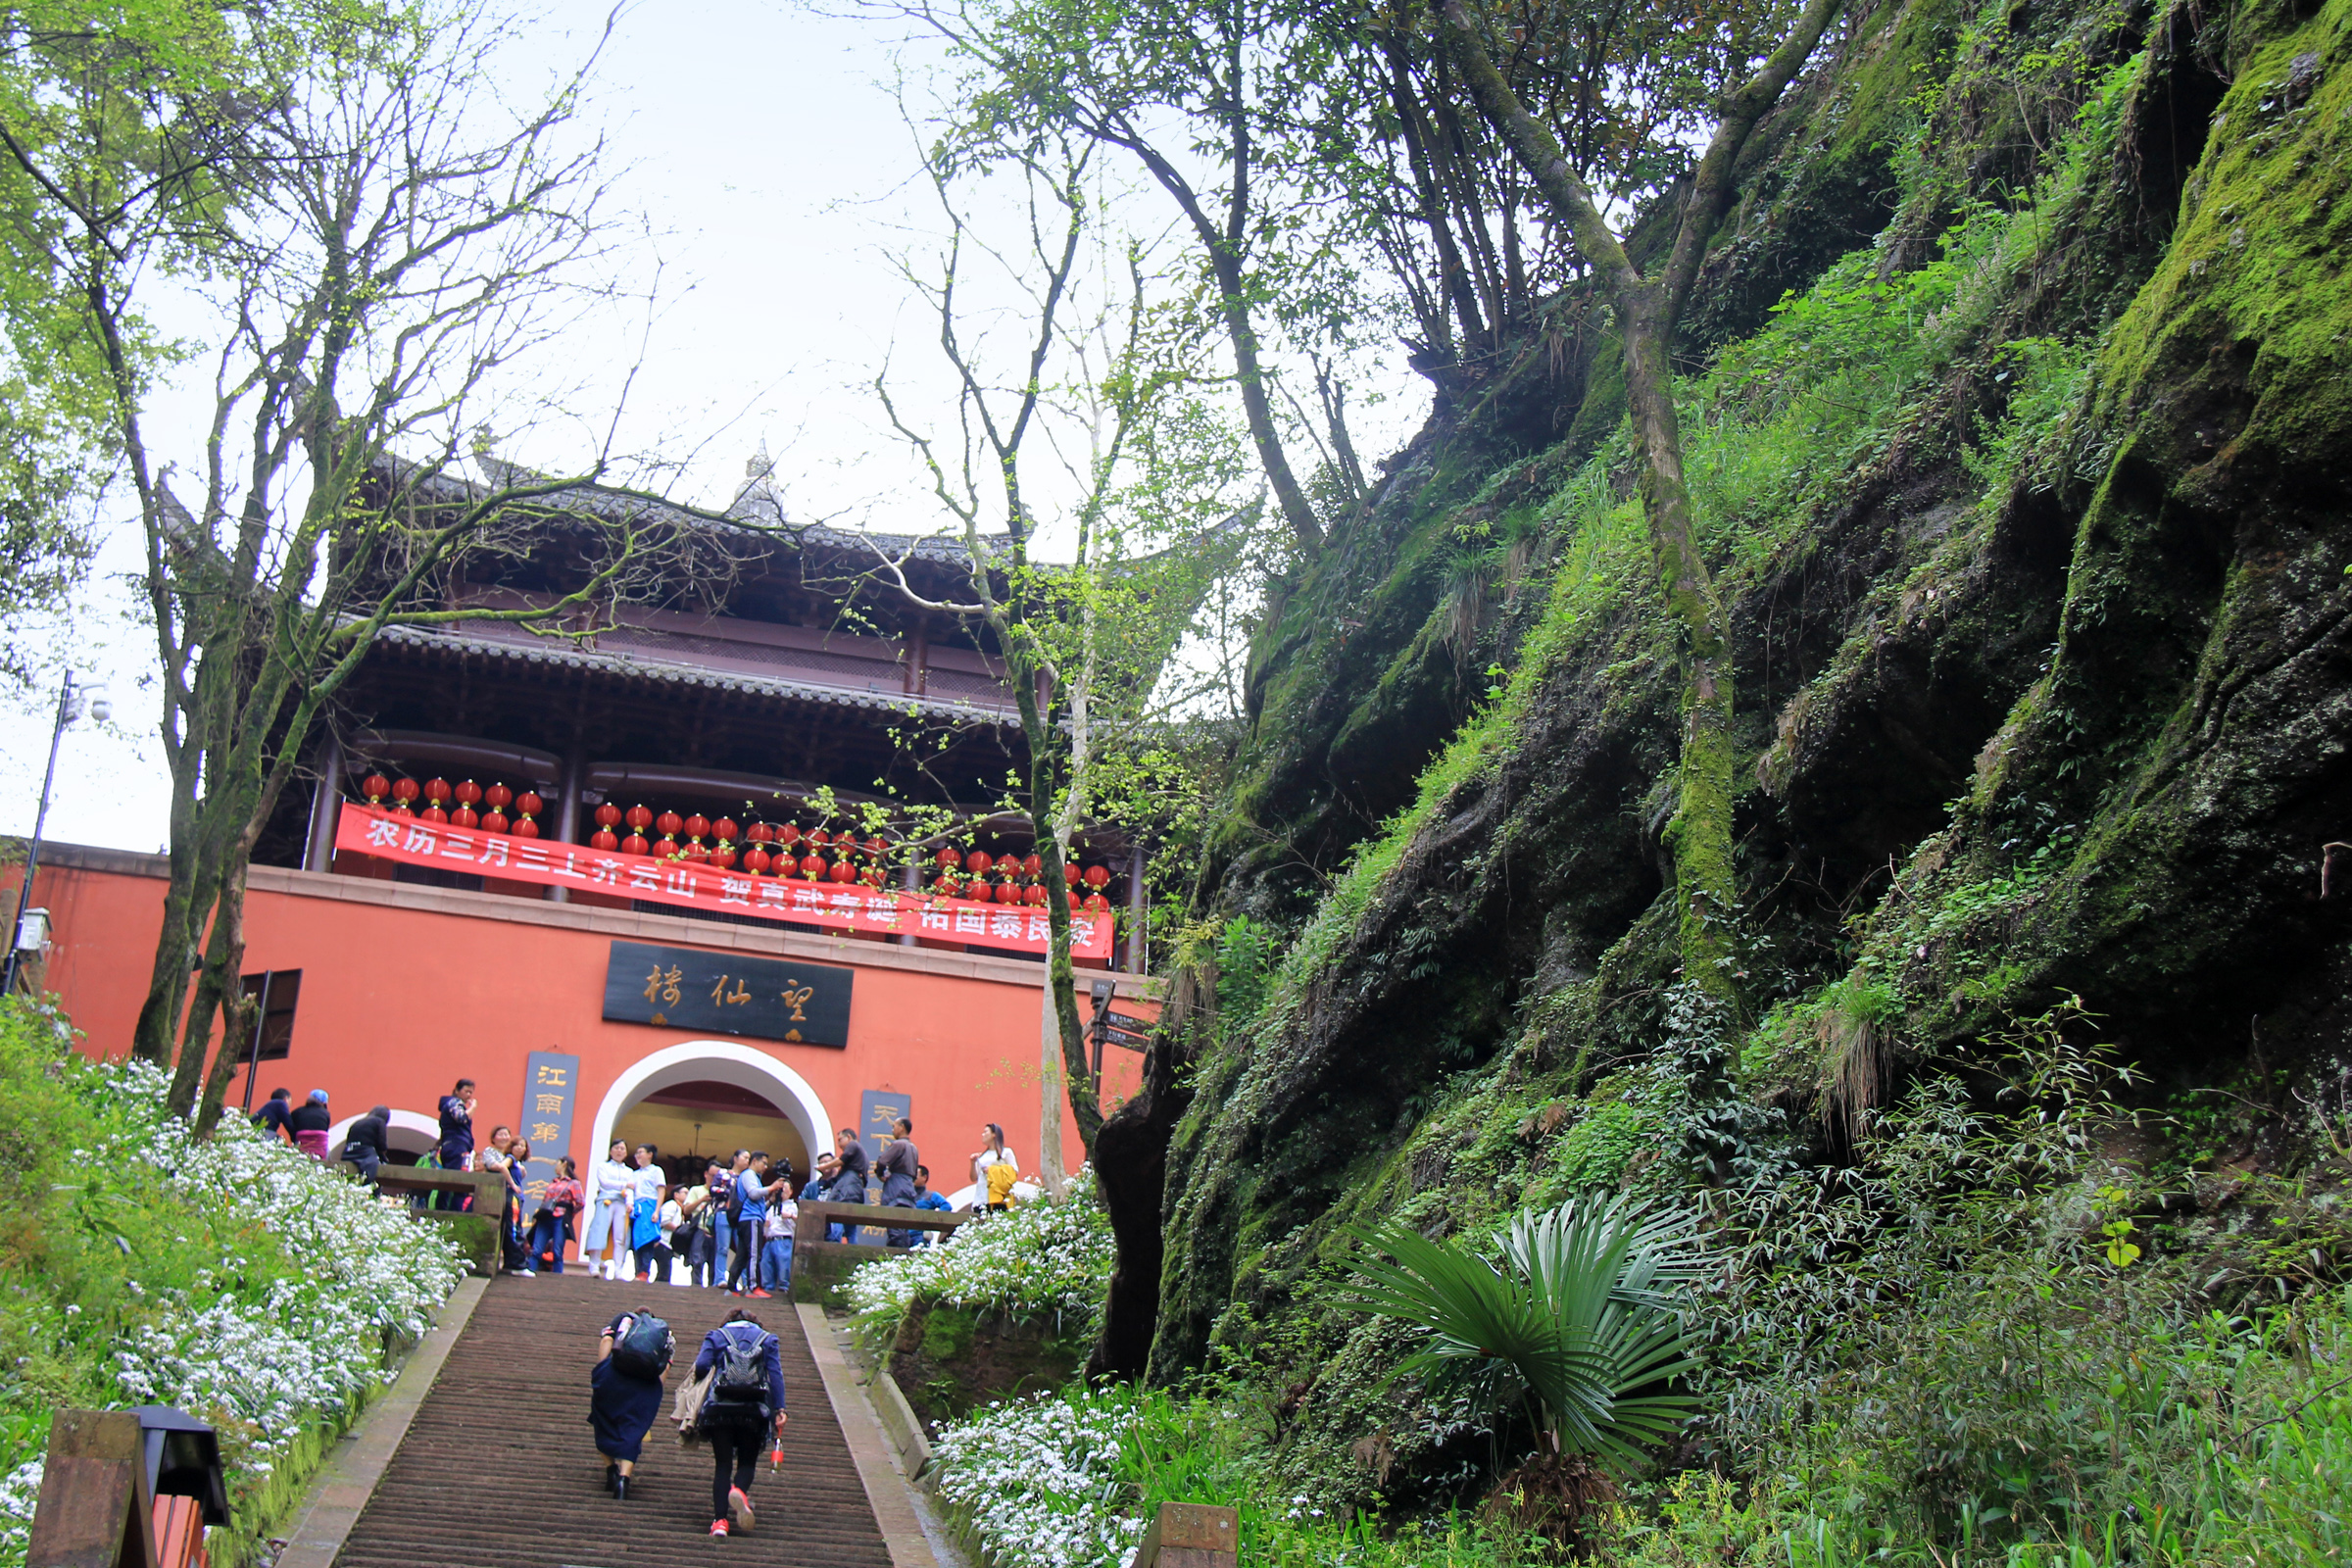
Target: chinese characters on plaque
{"x":728,"y":994}
{"x":551,"y":1080}
{"x":549,"y":862}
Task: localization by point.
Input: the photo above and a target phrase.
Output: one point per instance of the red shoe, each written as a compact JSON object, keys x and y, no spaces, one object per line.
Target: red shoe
{"x":718,"y":1527}
{"x":740,"y":1507}
{"x":761,"y":1296}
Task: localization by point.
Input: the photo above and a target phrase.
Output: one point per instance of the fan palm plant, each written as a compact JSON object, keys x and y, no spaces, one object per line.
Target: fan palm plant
{"x":1570,"y":1313}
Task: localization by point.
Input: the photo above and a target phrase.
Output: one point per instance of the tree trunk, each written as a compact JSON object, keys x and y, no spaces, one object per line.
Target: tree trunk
{"x":1699,"y":837}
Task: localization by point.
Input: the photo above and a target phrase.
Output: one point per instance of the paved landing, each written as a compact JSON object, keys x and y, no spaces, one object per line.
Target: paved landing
{"x":498,"y":1467}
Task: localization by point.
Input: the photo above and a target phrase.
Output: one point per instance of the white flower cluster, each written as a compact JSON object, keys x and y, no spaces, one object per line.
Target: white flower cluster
{"x":264,"y":1369}
{"x":19,"y":1489}
{"x":1050,"y":1255}
{"x":1038,"y":1481}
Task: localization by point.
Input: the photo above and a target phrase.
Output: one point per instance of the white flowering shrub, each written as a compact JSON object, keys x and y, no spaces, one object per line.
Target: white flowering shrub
{"x":1038,"y":1483}
{"x":1052,"y":1257}
{"x":238,"y":1278}
{"x":1071,"y":1479}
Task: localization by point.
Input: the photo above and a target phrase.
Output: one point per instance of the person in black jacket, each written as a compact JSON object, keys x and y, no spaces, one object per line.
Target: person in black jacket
{"x":364,"y":1143}
{"x":735,"y":1420}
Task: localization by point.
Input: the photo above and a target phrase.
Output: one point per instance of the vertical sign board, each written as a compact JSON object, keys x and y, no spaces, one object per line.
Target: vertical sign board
{"x":876,"y":1110}
{"x":550,"y":1084}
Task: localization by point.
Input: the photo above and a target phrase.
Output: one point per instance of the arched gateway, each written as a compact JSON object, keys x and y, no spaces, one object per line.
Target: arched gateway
{"x":713,"y":1062}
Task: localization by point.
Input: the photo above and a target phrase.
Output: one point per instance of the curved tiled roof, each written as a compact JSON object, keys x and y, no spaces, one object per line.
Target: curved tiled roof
{"x":560,"y":652}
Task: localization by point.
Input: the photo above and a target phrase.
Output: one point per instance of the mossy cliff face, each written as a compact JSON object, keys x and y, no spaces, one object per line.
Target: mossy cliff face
{"x":2036,"y":518}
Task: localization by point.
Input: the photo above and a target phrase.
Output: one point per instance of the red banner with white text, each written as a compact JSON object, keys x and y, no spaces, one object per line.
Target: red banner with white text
{"x":407,"y":838}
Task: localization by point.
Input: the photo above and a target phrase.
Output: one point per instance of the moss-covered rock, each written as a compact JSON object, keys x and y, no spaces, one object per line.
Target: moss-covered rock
{"x":2044,"y":677}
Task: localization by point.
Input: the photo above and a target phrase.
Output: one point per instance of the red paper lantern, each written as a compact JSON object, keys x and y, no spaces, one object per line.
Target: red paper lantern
{"x":404,"y":794}
{"x":667,"y":847}
{"x":789,"y":834}
{"x":1009,"y":893}
{"x":946,"y":886}
{"x":436,"y":790}
{"x":876,"y":875}
{"x":1033,"y":865}
{"x":635,"y":843}
{"x":640,"y":818}
{"x":1097,"y":902}
{"x":818,"y":838}
{"x":698,"y":826}
{"x":529,"y":829}
{"x":469,"y":794}
{"x":947,"y":858}
{"x":669,"y":823}
{"x":978,"y":862}
{"x":725,"y":830}
{"x":528,"y":803}
{"x":607,"y":814}
{"x":757,"y":860}
{"x":876,"y":847}
{"x":463,"y":816}
{"x":756,"y":833}
{"x":494,"y":820}
{"x":844,"y":871}
{"x":602,"y":839}
{"x":813,"y":869}
{"x":498,"y":794}
{"x":1098,"y":877}
{"x":1034,"y":894}
{"x":697,"y":852}
{"x":375,"y":787}
{"x":1069,"y":873}
{"x":434,"y":813}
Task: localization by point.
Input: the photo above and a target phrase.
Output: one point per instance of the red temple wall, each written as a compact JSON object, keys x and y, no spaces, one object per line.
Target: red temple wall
{"x":400,"y":999}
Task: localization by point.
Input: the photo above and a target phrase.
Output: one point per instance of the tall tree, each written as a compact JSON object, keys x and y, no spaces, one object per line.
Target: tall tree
{"x":379,"y":234}
{"x":1188,"y":92}
{"x":1094,"y":399}
{"x":1699,"y":836}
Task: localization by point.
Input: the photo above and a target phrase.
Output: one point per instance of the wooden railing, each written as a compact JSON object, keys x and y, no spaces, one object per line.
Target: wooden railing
{"x":818,"y":1265}
{"x":487,"y":1188}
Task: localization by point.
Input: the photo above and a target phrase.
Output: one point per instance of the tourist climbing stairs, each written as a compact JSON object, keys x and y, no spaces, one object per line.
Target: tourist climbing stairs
{"x":499,"y":1468}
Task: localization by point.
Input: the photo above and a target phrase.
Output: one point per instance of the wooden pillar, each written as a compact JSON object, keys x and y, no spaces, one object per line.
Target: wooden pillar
{"x":1189,"y":1534}
{"x":568,"y":804}
{"x":911,"y":879}
{"x":1137,"y":950}
{"x":326,"y":807}
{"x":93,"y":1511}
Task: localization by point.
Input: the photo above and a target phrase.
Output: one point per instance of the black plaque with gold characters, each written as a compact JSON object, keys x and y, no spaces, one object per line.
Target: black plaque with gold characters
{"x":728,"y":994}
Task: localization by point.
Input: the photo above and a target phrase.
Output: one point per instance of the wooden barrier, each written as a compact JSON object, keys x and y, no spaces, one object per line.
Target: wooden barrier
{"x":818,"y":1265}
{"x":487,"y":1188}
{"x":127,"y":1489}
{"x":1189,"y":1534}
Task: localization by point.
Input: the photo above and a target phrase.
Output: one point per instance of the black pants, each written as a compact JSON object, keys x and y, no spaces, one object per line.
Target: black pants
{"x":653,"y":1262}
{"x":734,"y":1448}
{"x":744,"y":1240}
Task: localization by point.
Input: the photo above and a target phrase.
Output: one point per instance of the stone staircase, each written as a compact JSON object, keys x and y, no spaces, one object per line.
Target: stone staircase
{"x":499,"y":1466}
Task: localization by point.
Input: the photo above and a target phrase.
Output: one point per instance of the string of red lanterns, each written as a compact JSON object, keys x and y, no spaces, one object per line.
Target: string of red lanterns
{"x":783,"y":850}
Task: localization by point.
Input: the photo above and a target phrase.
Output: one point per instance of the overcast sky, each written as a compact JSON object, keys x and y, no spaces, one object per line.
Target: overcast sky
{"x":767,"y":152}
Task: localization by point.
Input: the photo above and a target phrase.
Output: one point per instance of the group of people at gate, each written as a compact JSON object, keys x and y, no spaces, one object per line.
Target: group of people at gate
{"x":734,"y":1227}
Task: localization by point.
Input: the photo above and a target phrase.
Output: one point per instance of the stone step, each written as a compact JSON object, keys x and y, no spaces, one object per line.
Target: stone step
{"x":500,"y":1467}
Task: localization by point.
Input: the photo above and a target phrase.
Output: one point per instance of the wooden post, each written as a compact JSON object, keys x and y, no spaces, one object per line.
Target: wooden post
{"x":93,"y":1511}
{"x":1189,"y":1534}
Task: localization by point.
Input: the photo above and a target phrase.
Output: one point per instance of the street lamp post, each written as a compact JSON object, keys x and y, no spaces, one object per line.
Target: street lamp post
{"x":70,"y":703}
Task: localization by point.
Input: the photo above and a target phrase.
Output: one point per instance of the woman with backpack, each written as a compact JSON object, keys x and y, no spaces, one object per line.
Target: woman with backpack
{"x":744,"y":1404}
{"x":625,"y":1391}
